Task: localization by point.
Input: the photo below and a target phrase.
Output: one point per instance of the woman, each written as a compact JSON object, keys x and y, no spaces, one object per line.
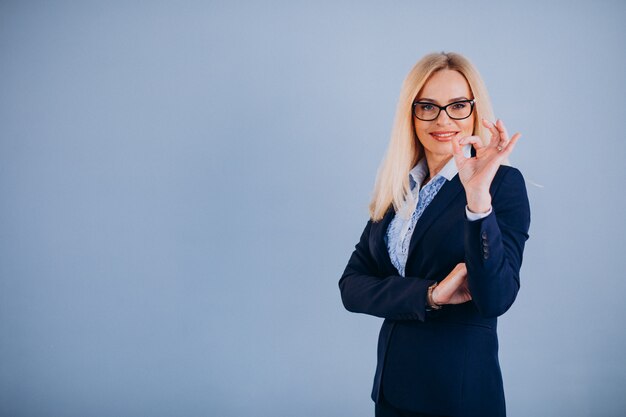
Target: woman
{"x":439,"y":258}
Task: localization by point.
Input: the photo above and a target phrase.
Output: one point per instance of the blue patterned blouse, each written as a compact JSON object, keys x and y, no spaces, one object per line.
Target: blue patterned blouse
{"x":401,"y":227}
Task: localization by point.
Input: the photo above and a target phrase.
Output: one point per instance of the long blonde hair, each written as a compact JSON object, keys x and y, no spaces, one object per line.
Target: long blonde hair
{"x":404,"y":150}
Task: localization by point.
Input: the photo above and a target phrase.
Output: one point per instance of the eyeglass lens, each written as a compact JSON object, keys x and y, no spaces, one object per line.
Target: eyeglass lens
{"x":458,"y":110}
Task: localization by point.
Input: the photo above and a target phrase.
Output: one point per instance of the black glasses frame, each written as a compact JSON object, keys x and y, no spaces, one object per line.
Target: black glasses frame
{"x":444,"y":108}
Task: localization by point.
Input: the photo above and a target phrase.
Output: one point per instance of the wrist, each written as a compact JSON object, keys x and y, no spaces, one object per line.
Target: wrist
{"x":478,"y":202}
{"x":430,"y":297}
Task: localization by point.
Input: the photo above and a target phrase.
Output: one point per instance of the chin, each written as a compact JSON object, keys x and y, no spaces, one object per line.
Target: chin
{"x":440,"y":149}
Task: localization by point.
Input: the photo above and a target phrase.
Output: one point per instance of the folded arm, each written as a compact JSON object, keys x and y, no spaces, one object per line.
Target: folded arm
{"x":363,"y":290}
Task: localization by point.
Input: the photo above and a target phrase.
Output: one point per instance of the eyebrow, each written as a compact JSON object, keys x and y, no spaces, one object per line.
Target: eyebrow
{"x":430,"y":100}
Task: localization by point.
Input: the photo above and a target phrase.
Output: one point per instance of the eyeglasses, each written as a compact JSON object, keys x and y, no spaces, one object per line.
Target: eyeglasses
{"x":458,"y":110}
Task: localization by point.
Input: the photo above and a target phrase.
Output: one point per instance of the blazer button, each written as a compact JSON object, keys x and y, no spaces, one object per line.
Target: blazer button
{"x":484,"y":235}
{"x":485,"y":244}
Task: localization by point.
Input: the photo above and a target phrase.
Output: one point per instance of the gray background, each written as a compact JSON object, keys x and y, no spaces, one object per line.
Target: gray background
{"x":182,"y":184}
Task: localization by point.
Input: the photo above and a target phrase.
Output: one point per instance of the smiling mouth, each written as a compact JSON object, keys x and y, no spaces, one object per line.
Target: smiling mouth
{"x":443,"y":136}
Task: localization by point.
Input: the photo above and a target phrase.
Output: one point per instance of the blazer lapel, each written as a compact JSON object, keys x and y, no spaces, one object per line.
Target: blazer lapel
{"x":446,"y":195}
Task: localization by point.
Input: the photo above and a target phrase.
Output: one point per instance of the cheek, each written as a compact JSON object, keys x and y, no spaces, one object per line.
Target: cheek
{"x":468,"y":127}
{"x":419,"y":129}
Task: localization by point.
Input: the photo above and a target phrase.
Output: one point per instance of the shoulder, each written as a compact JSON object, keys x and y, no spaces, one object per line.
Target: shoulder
{"x":508,"y":178}
{"x":509,"y":174}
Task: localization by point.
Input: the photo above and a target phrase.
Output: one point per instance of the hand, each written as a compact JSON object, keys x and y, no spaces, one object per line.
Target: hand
{"x":476,"y":173}
{"x":453,"y":289}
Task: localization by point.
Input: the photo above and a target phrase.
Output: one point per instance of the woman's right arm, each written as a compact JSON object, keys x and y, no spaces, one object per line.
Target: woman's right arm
{"x":364,"y":290}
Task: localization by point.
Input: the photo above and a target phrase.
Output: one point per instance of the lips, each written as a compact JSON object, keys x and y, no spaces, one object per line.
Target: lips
{"x":443,"y":136}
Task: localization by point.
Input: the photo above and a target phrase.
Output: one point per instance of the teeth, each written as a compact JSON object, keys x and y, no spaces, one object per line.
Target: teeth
{"x":443,"y":135}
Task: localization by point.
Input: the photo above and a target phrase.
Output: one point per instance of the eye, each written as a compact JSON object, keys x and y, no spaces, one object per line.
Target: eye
{"x":426,"y":107}
{"x":459,"y":106}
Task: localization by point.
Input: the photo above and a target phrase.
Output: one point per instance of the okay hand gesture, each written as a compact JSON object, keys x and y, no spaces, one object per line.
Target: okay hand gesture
{"x":476,"y":173}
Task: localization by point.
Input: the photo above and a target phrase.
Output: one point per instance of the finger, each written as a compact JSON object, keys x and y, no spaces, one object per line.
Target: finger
{"x":504,"y":135}
{"x":495,"y":133}
{"x":449,"y":286}
{"x":459,"y":274}
{"x":476,"y":141}
{"x":451,"y":280}
{"x":457,"y":152}
{"x":511,"y":145}
{"x":486,"y":123}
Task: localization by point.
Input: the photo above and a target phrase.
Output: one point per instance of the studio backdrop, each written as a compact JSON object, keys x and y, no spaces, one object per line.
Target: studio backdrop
{"x":182,"y":183}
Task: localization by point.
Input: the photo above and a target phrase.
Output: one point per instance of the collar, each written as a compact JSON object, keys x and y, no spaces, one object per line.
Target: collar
{"x":449,"y":171}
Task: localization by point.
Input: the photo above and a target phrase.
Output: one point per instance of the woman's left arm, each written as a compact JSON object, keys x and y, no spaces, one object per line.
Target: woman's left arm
{"x":494,"y":245}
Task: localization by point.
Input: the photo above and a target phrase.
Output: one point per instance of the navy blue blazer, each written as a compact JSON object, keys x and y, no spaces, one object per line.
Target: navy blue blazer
{"x":443,"y":362}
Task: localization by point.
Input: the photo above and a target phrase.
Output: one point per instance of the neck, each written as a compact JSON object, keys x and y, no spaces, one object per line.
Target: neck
{"x":435,"y":163}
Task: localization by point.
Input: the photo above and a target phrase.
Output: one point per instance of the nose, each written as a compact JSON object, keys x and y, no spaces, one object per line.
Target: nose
{"x":443,"y":118}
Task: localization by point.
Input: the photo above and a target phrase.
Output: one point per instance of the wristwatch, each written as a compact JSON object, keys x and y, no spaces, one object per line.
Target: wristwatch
{"x":429,"y":298}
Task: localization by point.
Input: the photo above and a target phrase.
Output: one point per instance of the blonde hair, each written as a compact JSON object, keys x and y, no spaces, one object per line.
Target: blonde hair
{"x":404,"y":150}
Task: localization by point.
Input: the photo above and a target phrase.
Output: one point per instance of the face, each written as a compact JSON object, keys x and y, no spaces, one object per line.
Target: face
{"x":443,"y":87}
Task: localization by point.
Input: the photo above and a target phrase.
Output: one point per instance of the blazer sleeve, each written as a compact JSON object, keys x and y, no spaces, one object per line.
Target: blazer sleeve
{"x":494,"y":246}
{"x":365,"y":290}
